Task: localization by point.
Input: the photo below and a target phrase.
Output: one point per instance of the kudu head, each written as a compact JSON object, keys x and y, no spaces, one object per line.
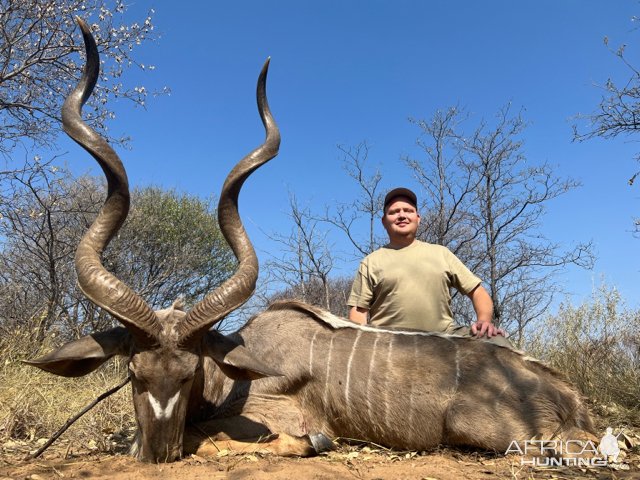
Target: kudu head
{"x":165,"y":347}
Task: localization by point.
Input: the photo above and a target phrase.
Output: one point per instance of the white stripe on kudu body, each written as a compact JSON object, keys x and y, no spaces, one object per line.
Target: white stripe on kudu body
{"x":416,"y":354}
{"x":160,"y":412}
{"x":325,"y":397}
{"x":387,"y":390}
{"x":313,"y":340}
{"x":369,"y":375}
{"x":353,"y":351}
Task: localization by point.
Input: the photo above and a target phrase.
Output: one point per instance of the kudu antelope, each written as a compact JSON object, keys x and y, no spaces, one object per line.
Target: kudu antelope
{"x":293,"y":371}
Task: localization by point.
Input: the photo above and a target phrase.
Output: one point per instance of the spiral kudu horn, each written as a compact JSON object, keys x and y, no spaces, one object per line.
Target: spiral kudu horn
{"x":237,"y":289}
{"x":99,"y":285}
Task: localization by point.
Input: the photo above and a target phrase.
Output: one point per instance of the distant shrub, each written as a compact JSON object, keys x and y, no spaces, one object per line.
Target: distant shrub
{"x":597,"y":346}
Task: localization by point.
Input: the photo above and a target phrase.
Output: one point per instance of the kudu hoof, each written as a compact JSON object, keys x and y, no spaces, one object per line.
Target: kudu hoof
{"x":320,"y":442}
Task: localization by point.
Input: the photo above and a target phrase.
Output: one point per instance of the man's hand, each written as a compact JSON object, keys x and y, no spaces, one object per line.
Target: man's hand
{"x":483,"y":305}
{"x":480,"y":329}
{"x":359,"y":315}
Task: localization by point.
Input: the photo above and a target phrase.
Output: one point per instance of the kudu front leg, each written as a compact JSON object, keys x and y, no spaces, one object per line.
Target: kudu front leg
{"x":241,"y":435}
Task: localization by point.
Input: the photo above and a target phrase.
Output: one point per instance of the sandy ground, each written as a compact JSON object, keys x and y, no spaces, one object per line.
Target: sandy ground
{"x":61,"y":461}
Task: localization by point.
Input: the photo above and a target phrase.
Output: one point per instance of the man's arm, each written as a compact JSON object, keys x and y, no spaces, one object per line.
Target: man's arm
{"x":483,"y":305}
{"x":359,"y":315}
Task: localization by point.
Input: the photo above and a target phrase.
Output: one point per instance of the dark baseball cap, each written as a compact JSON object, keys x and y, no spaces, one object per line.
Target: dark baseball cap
{"x":400,"y":192}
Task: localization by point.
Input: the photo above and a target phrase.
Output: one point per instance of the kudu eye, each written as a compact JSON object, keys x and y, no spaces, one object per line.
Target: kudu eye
{"x":135,"y":374}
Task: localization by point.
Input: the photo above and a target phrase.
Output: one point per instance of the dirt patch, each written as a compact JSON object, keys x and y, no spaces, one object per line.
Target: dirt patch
{"x":347,"y":462}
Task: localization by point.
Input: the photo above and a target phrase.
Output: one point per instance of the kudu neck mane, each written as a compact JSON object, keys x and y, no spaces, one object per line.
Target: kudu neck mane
{"x":334,"y":322}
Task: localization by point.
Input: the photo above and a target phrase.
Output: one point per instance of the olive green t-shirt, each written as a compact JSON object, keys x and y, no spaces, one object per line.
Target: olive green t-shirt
{"x":410,"y":287}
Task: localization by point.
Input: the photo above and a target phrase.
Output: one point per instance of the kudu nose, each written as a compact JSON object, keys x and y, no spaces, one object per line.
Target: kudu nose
{"x":162,"y":454}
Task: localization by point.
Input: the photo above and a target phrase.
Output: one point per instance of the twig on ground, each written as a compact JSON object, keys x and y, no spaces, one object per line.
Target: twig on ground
{"x":73,"y":419}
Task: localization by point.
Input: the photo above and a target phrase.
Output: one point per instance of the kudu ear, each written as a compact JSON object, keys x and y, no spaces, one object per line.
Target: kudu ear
{"x":82,"y":356}
{"x":235,"y":361}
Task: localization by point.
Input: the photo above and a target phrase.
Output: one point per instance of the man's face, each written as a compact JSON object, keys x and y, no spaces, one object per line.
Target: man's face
{"x":401,"y":219}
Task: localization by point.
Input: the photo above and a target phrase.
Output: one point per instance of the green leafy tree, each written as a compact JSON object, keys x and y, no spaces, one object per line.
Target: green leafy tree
{"x":169,"y":247}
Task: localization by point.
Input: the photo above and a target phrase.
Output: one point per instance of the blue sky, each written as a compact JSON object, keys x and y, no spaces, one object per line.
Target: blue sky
{"x":347,"y":71}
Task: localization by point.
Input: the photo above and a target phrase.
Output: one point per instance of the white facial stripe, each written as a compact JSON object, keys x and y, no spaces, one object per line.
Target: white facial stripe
{"x":160,"y":412}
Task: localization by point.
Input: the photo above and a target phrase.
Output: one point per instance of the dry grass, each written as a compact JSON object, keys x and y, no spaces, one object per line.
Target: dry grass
{"x":34,"y":404}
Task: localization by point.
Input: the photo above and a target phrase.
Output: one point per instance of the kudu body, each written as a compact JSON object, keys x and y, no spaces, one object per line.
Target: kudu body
{"x":295,"y":371}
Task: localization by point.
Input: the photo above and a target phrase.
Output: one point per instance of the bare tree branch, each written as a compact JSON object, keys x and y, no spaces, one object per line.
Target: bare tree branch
{"x":485,"y":202}
{"x":367,"y":205}
{"x":38,"y":62}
